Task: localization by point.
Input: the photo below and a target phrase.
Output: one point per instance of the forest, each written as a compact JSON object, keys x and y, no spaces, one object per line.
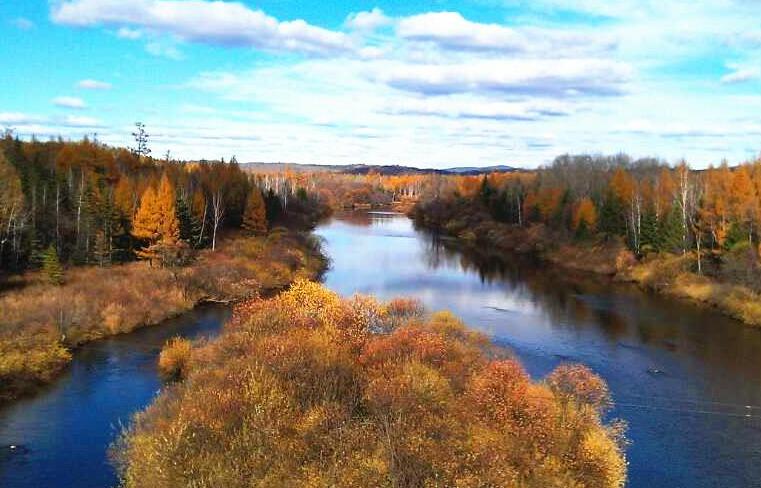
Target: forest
{"x":83,"y":202}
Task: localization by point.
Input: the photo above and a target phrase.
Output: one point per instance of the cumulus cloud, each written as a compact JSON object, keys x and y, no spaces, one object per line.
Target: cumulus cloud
{"x":90,"y":84}
{"x":70,"y":102}
{"x":212,"y":22}
{"x":367,"y":21}
{"x":450,"y":29}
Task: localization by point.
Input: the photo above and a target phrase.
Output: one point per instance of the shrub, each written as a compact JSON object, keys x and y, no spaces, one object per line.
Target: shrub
{"x":174,"y":359}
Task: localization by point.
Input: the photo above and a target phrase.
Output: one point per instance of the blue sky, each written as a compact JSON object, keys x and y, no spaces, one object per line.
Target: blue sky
{"x":437,"y":83}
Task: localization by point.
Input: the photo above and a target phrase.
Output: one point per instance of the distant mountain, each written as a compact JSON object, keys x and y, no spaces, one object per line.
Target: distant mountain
{"x":363,"y":169}
{"x":475,"y":170}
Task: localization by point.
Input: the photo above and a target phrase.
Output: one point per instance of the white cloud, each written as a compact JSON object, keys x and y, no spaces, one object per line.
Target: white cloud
{"x":79,"y":121}
{"x":90,"y":84}
{"x":162,"y":50}
{"x":127,"y":33}
{"x":542,"y":77}
{"x":368,"y":21}
{"x":450,"y":29}
{"x":480,"y":109}
{"x":70,"y":102}
{"x":741,"y":75}
{"x":213,"y":22}
{"x":13,"y":119}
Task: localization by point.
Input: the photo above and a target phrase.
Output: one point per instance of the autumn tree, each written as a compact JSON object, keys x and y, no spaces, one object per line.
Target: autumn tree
{"x":51,"y":266}
{"x":156,"y":220}
{"x":584,"y":217}
{"x":255,"y":213}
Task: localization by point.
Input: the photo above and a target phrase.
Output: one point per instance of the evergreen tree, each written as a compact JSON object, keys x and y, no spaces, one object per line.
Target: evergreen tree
{"x":651,"y":240}
{"x":612,"y":220}
{"x":255,"y":213}
{"x":51,"y":266}
{"x":670,"y":231}
{"x":185,"y":219}
{"x":273,"y":206}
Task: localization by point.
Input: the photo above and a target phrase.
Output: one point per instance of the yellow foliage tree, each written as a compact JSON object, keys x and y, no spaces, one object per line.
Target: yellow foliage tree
{"x":255,"y":214}
{"x":156,"y":219}
{"x":584,"y":215}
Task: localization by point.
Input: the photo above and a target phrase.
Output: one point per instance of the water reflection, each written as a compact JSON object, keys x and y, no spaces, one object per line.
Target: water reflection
{"x":682,"y":376}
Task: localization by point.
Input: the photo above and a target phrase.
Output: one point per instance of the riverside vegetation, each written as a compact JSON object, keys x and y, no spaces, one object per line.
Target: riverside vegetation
{"x":96,"y":241}
{"x":685,"y":233}
{"x":309,"y":389}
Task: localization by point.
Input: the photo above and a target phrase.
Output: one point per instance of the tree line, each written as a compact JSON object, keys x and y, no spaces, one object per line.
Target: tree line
{"x":84,"y":202}
{"x":653,"y":206}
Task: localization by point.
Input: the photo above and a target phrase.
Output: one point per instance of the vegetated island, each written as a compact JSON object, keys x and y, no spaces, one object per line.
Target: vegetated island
{"x":309,"y":389}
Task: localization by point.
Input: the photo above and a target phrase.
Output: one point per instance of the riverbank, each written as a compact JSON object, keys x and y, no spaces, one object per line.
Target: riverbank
{"x":41,"y":323}
{"x":662,"y":273}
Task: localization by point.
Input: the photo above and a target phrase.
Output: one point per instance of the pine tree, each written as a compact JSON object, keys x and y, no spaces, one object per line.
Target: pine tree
{"x":670,"y":231}
{"x":51,"y":266}
{"x":255,"y":214}
{"x":273,"y":205}
{"x":612,"y":220}
{"x":185,"y":219}
{"x":651,"y":240}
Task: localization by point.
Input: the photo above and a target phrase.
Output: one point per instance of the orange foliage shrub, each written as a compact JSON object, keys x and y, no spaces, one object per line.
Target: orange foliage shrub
{"x":174,"y":359}
{"x":308,"y":389}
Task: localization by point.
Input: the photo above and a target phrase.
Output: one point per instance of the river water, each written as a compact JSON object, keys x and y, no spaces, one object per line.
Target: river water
{"x":687,"y":380}
{"x":62,"y":433}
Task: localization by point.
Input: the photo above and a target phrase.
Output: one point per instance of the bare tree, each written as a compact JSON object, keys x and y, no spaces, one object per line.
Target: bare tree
{"x":218,"y":212}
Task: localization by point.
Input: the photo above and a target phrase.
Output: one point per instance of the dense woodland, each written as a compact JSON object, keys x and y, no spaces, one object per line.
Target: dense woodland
{"x":87,"y":203}
{"x":713,"y":215}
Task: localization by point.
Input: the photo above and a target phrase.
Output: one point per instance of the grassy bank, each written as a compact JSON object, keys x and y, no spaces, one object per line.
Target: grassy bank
{"x":41,"y":323}
{"x":308,"y":389}
{"x":668,"y":274}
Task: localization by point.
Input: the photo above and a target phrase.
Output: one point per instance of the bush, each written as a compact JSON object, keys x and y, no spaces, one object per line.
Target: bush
{"x":174,"y":360}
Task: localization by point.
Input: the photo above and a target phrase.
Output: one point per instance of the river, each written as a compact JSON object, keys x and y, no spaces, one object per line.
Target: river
{"x":63,"y":432}
{"x":687,"y":380}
